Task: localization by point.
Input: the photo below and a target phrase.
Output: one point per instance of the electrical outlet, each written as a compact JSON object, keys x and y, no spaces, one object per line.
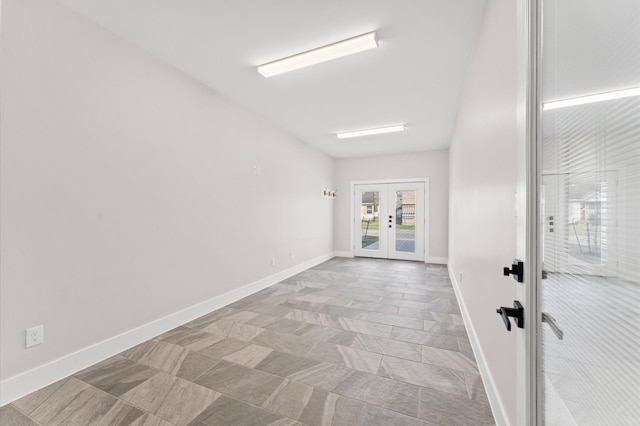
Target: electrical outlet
{"x":291,"y":255}
{"x":273,"y":261}
{"x":34,"y":336}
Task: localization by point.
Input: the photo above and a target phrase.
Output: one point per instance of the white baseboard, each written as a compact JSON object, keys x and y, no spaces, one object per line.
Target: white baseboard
{"x":343,"y":253}
{"x":437,"y":260}
{"x":497,"y":405}
{"x":18,"y":386}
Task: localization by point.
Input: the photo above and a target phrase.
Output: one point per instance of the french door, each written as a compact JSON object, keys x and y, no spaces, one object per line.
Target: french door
{"x":390,"y":220}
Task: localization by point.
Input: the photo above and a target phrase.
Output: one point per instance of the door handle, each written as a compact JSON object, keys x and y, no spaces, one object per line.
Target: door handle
{"x":517,"y":312}
{"x":553,"y":324}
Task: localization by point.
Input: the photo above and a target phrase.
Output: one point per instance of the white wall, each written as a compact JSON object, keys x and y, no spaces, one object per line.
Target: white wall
{"x":483,"y":178}
{"x":431,"y":164}
{"x":128,"y":190}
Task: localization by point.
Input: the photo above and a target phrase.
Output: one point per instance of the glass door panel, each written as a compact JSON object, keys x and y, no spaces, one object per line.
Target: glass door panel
{"x":590,"y":210}
{"x":407,"y":230}
{"x":370,"y":230}
{"x":390,"y":220}
{"x":370,"y":220}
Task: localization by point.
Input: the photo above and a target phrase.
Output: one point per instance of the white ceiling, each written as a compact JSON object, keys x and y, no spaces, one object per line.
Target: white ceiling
{"x":414,"y":77}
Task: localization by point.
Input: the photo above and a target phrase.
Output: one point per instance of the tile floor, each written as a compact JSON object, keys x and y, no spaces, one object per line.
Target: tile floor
{"x":349,"y":342}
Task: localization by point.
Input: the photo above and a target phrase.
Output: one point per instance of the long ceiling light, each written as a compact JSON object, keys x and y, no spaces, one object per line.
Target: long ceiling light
{"x":378,"y":131}
{"x":321,"y":54}
{"x":618,"y":94}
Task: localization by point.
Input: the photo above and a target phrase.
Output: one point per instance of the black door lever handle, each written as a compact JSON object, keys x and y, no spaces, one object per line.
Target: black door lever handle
{"x":517,"y":312}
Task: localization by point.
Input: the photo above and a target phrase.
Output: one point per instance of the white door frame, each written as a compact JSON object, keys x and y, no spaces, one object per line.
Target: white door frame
{"x":352,"y":219}
{"x":528,"y":204}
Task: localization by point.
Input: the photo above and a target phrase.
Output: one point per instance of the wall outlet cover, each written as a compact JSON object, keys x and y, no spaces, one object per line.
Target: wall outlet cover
{"x":34,"y":336}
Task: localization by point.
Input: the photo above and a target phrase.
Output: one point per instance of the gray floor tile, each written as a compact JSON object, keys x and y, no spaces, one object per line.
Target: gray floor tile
{"x":403,"y":398}
{"x":120,"y":414}
{"x":250,"y":356}
{"x":220,"y":328}
{"x":391,"y":347}
{"x":116,"y":375}
{"x":147,"y":420}
{"x":475,"y":387}
{"x":193,"y":365}
{"x":243,"y":383}
{"x":74,"y":403}
{"x":323,"y":376}
{"x":345,"y":356}
{"x":344,"y":311}
{"x":331,"y":335}
{"x":425,"y":338}
{"x":320,"y":409}
{"x":290,"y":326}
{"x":349,"y":342}
{"x":11,"y":416}
{"x":28,"y":404}
{"x":366,"y":327}
{"x":157,"y":354}
{"x":227,"y":411}
{"x":284,"y":365}
{"x":424,"y":375}
{"x":377,"y":416}
{"x":211,"y":317}
{"x":396,"y":320}
{"x":448,"y":359}
{"x":445,"y":328}
{"x":267,"y":309}
{"x":190,"y":338}
{"x":442,"y":305}
{"x":290,"y":398}
{"x":244,"y":332}
{"x":448,"y":409}
{"x":223,"y":348}
{"x":312,"y":317}
{"x":365,"y":387}
{"x":171,"y":398}
{"x":282,"y":342}
{"x":349,"y":412}
{"x":416,"y":313}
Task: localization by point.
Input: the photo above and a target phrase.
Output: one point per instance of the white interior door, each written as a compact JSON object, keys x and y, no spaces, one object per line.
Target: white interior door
{"x":390,"y":220}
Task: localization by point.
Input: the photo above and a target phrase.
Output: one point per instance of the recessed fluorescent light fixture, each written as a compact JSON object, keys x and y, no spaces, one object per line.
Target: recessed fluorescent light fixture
{"x":378,"y":131}
{"x":618,"y":94}
{"x":321,"y":54}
